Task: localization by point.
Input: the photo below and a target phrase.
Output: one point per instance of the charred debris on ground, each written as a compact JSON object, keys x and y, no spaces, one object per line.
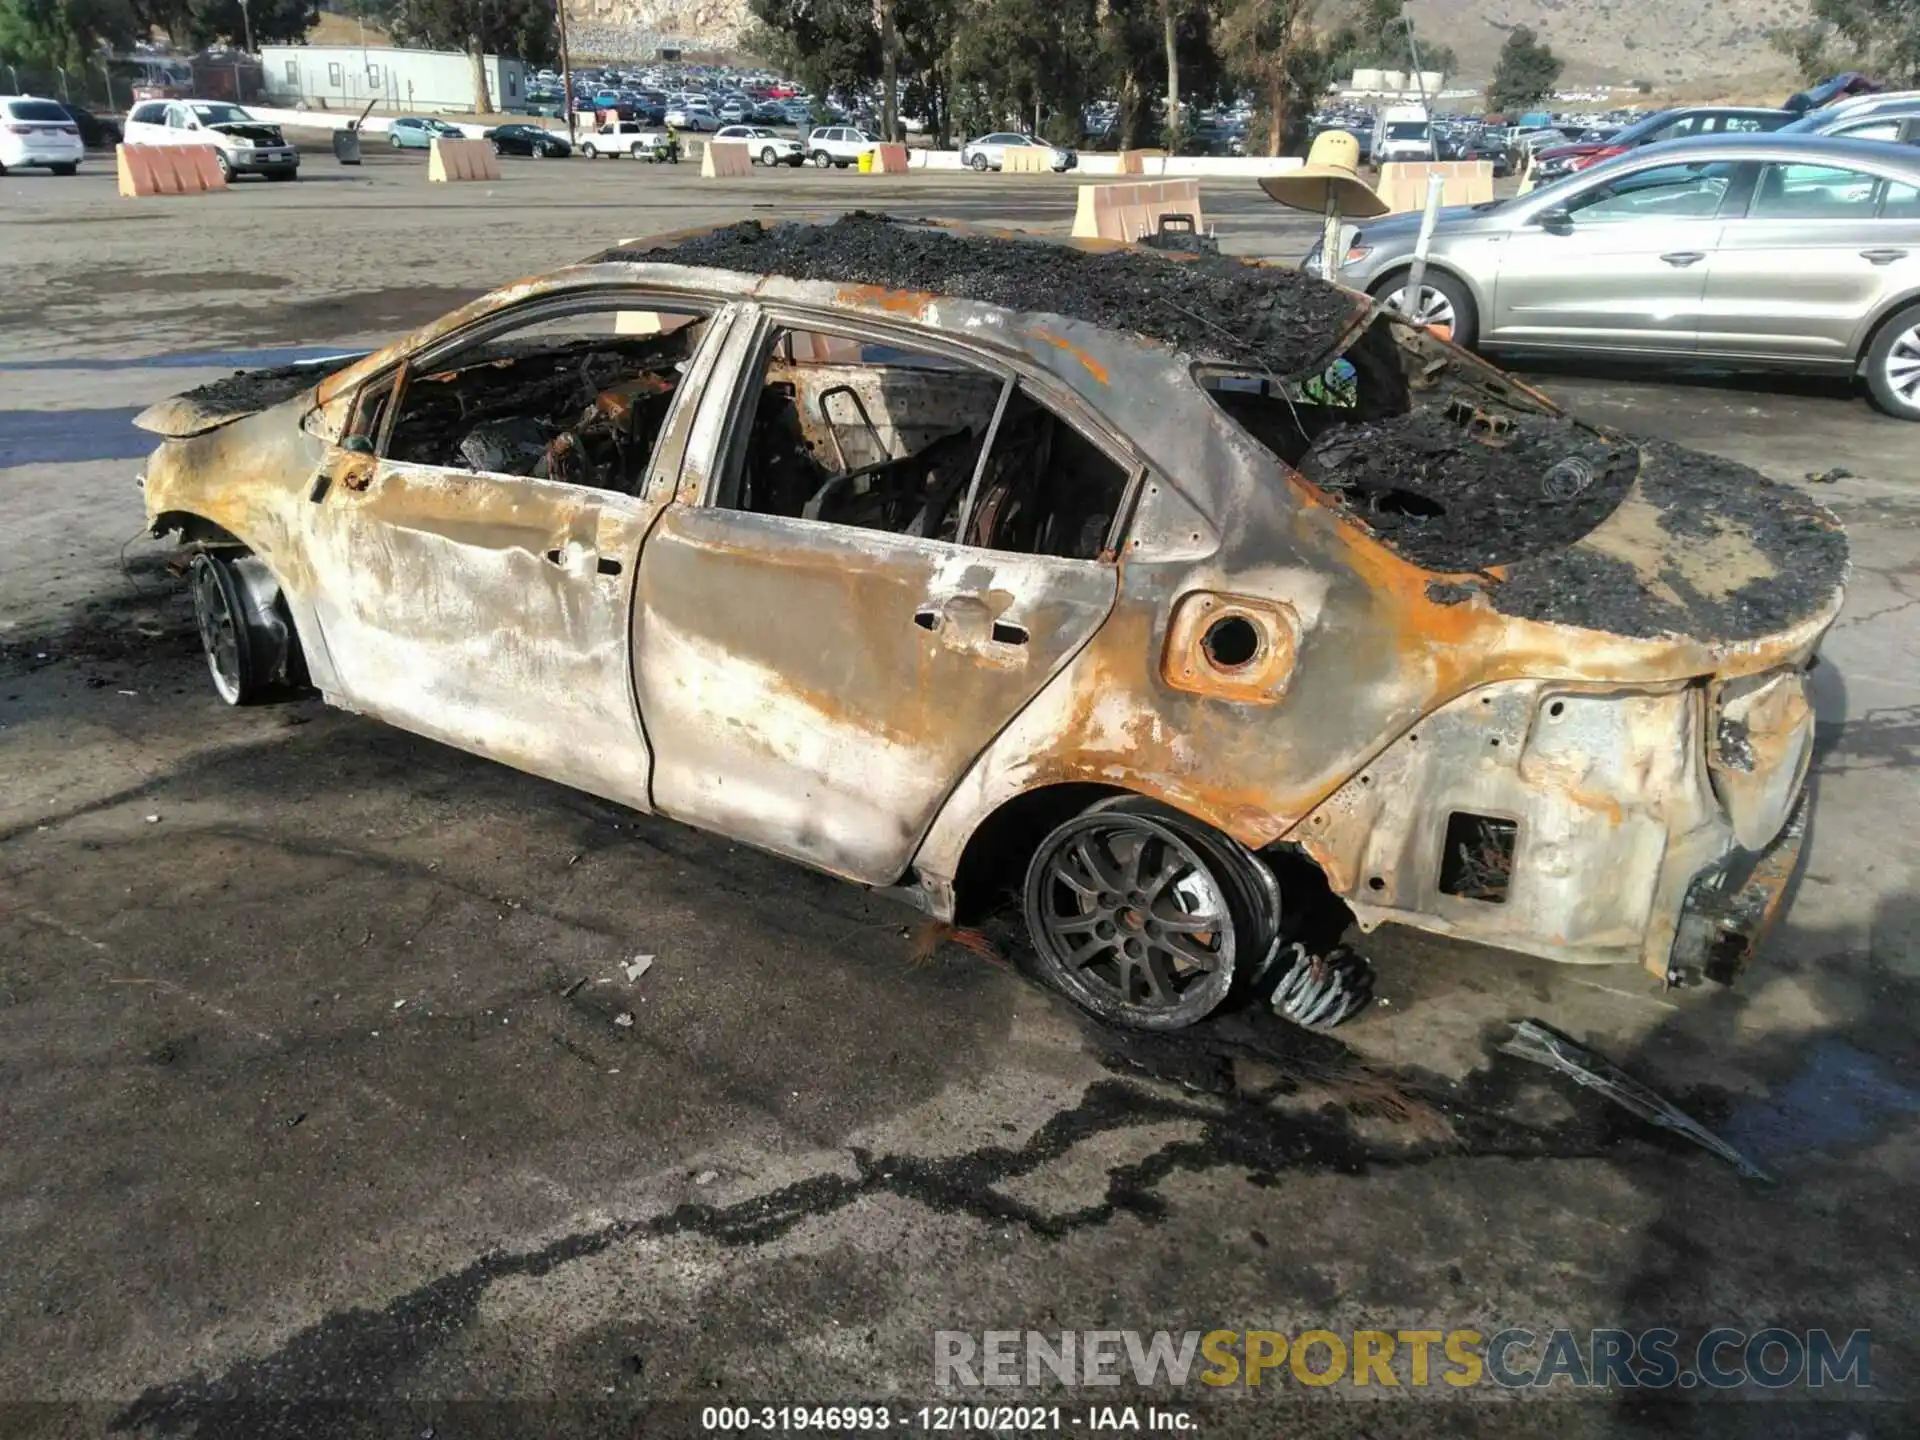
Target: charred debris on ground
{"x":1211,"y":306}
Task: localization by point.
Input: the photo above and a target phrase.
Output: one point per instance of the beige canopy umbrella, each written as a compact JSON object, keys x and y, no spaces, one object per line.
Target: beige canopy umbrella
{"x":1328,"y":184}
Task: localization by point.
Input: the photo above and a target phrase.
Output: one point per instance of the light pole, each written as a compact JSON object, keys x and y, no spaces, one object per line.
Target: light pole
{"x":246,"y":22}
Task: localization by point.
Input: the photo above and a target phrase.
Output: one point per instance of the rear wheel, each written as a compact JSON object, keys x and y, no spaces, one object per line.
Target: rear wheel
{"x":394,"y":142}
{"x":1893,"y":365}
{"x":1144,"y":916}
{"x":284,"y":175}
{"x":1445,"y":305}
{"x":72,"y":169}
{"x":979,"y":163}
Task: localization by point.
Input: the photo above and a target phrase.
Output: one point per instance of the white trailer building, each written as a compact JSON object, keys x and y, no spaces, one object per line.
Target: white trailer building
{"x":346,"y":77}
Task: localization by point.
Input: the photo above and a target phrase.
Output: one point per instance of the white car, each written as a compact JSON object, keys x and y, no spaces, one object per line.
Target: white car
{"x":766,"y":147}
{"x":39,"y":132}
{"x":838,"y":145}
{"x":692,"y":115}
{"x":989,"y":152}
{"x":241,"y":144}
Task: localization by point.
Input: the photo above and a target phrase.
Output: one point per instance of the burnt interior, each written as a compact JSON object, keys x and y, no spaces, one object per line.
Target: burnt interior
{"x":1459,"y":471}
{"x":585,"y":411}
{"x":882,"y":439}
{"x":1451,"y":476}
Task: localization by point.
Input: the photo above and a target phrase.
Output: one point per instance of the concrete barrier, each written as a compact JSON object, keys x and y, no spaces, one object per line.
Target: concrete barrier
{"x":724,"y":159}
{"x":1026,"y":160}
{"x":888,"y":160}
{"x":1127,"y":212}
{"x":461,"y":160}
{"x":1466,"y":182}
{"x":168,"y":169}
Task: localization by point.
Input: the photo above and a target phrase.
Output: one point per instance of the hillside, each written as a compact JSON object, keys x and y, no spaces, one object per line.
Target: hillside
{"x":1678,"y":43}
{"x":1668,"y":44}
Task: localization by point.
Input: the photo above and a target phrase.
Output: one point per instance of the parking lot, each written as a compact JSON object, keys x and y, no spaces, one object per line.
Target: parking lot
{"x":321,"y":1076}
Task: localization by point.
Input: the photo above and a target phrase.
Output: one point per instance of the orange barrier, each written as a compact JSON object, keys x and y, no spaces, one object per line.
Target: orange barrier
{"x":1134,"y":162}
{"x":1404,"y":187}
{"x":168,"y":169}
{"x":888,"y":160}
{"x":1127,"y":212}
{"x":722,"y":159}
{"x":462,"y":160}
{"x":1026,"y":160}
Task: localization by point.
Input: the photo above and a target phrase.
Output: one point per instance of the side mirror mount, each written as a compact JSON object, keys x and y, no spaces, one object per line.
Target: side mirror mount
{"x":1556,"y":221}
{"x":357,"y":445}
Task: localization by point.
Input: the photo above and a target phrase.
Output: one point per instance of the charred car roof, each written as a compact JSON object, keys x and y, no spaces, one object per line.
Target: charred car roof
{"x":1211,"y":306}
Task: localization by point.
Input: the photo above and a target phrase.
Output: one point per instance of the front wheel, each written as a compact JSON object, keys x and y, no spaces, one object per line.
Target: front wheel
{"x":73,"y":169}
{"x":226,"y":165}
{"x":639,"y":151}
{"x":1142,"y":915}
{"x":590,"y":151}
{"x":1445,"y":305}
{"x":220,"y":613}
{"x":1893,"y":365}
{"x":769,"y":157}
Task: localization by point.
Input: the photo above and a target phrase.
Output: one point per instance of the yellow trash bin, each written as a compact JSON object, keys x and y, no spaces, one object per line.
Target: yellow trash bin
{"x":866,"y":162}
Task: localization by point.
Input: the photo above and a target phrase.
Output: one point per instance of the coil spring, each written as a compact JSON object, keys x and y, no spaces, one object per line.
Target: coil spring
{"x":1322,"y":991}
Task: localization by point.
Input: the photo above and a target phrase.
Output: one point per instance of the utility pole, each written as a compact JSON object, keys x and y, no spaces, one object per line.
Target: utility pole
{"x":566,"y":70}
{"x":1420,"y":84}
{"x":246,"y":20}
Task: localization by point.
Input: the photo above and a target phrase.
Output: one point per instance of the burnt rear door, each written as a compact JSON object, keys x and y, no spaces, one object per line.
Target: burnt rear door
{"x":818,"y":656}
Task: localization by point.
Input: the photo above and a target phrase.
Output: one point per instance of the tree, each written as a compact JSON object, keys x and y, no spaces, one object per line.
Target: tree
{"x":1526,"y":72}
{"x":926,"y":30}
{"x":521,"y":28}
{"x":830,"y":45}
{"x":1378,"y":40}
{"x":62,"y":34}
{"x":1025,"y":57}
{"x":1261,"y":41}
{"x":1878,"y":36}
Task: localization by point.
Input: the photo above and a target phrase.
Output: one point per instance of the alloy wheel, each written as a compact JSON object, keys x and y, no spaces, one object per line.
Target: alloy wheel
{"x":1435,"y":309}
{"x":222,"y":633}
{"x":1132,"y":920}
{"x":1902,"y":366}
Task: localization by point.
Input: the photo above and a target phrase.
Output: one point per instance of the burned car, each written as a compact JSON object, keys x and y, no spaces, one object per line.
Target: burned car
{"x":965,"y":564}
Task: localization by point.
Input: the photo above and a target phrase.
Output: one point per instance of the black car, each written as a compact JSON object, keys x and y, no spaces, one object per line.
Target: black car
{"x":97,"y":132}
{"x":528,"y":140}
{"x":1491,"y":148}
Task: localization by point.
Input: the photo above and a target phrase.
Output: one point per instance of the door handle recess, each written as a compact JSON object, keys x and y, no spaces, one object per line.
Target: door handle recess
{"x":1683,"y":258}
{"x":1885,"y":256}
{"x":565,"y":559}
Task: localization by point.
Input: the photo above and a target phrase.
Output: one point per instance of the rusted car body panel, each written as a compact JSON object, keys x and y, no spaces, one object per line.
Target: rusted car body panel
{"x":850,"y":697}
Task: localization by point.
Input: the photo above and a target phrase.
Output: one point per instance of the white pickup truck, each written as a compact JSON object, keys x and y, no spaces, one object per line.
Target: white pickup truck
{"x":241,"y":144}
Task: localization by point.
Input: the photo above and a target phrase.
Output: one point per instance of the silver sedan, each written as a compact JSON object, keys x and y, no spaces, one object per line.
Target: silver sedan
{"x":1793,"y":252}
